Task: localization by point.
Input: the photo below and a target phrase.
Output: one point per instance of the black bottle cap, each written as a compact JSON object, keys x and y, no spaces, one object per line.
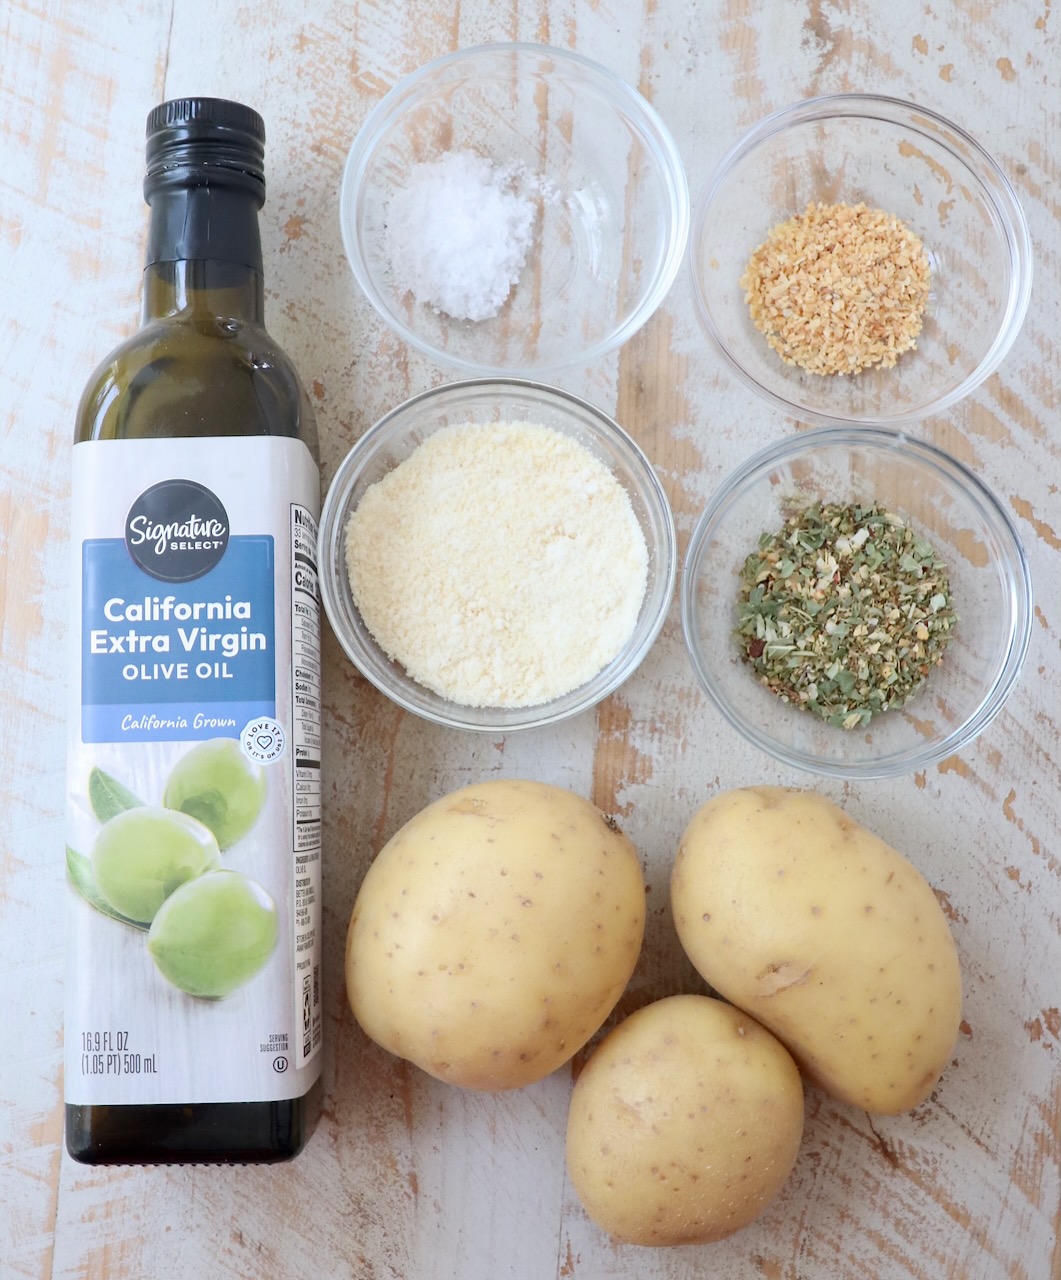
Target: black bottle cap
{"x":205,"y":142}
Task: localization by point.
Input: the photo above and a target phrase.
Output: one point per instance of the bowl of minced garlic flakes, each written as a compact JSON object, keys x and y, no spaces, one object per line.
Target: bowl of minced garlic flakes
{"x":858,"y":259}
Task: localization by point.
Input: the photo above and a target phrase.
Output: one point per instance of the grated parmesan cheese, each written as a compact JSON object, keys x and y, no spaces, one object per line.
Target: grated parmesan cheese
{"x":501,"y":564}
{"x":457,"y":235}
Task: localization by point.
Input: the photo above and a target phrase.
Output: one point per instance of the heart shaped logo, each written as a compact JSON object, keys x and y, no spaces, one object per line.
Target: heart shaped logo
{"x":263,"y":740}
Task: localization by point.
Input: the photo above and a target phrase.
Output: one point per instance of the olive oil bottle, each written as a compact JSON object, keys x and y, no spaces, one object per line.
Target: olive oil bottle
{"x":193,"y":1021}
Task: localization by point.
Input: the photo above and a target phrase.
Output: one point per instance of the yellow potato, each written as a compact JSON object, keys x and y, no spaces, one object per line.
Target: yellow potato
{"x":495,"y":932}
{"x":824,"y":934}
{"x":684,"y":1124}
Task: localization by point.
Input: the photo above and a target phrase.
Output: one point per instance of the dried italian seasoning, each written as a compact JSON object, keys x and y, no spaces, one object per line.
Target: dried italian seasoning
{"x":844,"y":611}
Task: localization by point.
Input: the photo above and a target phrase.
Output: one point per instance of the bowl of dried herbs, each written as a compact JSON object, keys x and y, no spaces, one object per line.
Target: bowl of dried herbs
{"x":856,"y":602}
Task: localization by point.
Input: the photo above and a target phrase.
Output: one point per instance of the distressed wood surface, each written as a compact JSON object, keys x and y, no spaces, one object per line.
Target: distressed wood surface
{"x":405,"y":1178}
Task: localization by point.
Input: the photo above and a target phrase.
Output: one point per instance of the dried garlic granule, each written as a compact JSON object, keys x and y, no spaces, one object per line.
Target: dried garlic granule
{"x":838,"y":288}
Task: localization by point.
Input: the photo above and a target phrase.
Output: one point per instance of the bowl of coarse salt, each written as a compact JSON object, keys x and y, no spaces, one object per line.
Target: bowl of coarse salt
{"x":514,"y":209}
{"x":496,"y":555}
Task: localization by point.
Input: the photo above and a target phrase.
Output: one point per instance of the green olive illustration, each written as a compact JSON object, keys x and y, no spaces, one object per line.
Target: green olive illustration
{"x":214,"y":934}
{"x":142,"y":855}
{"x":216,"y":783}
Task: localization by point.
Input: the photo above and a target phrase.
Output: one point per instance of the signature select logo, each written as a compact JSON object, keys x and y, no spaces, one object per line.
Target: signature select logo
{"x":205,"y":533}
{"x":177,"y":530}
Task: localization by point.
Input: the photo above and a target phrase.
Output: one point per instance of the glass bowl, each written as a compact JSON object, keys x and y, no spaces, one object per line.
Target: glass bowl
{"x":910,"y":162}
{"x":394,"y":437}
{"x":944,"y":501}
{"x":599,"y":169}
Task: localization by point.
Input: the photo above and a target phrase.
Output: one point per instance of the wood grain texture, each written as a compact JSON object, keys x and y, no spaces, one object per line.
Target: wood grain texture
{"x":404,"y":1178}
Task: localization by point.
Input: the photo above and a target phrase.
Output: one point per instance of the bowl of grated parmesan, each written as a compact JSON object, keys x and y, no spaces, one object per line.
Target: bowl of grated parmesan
{"x":514,"y":209}
{"x":859,"y":259}
{"x":496,"y":555}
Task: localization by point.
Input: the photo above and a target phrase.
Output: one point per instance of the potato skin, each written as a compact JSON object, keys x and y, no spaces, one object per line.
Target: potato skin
{"x":684,"y":1124}
{"x":494,"y":933}
{"x":827,"y":936}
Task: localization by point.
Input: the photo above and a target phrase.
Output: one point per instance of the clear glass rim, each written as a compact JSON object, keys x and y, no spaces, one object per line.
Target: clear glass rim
{"x":992,"y":180}
{"x":509,"y":720}
{"x":1018,"y":576}
{"x":651,"y":127}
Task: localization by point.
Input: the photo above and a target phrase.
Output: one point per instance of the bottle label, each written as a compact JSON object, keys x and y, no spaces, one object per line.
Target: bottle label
{"x":193,"y":817}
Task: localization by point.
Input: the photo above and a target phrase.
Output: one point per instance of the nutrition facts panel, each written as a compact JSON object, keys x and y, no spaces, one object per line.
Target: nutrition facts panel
{"x":306,"y":770}
{"x":306,"y":684}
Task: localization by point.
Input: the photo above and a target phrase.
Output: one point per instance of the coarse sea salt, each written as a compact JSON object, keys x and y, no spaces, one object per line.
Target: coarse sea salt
{"x":457,"y":234}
